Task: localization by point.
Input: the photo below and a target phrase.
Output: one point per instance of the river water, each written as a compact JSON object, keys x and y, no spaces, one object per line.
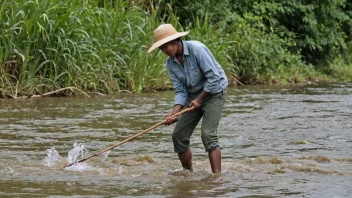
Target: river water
{"x":276,"y":141}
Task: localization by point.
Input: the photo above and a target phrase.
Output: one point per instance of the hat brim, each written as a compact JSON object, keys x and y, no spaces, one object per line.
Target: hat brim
{"x":165,"y":40}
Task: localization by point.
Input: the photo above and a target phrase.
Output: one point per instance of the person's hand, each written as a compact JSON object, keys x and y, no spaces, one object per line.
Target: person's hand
{"x":195,"y":103}
{"x":170,"y":119}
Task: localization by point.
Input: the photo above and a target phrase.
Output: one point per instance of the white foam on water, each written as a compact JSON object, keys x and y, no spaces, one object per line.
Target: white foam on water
{"x":78,"y":151}
{"x":120,"y":170}
{"x":52,"y":157}
{"x":80,"y":167}
{"x":104,"y":156}
{"x":74,"y":153}
{"x":11,"y":171}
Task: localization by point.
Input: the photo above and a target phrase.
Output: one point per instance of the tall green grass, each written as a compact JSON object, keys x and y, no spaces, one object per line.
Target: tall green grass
{"x":101,"y":46}
{"x":51,"y":44}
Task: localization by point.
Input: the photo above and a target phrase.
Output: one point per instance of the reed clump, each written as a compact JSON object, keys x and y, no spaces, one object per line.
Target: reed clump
{"x":65,"y":47}
{"x":47,"y":45}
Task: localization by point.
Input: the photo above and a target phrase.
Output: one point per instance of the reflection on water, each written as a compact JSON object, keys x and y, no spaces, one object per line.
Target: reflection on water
{"x":276,"y":142}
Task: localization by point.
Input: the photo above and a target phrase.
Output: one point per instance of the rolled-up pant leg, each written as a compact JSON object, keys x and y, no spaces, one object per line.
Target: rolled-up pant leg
{"x":184,"y":129}
{"x":212,"y":111}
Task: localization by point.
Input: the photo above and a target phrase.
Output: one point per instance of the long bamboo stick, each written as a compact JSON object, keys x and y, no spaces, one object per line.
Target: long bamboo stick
{"x":128,"y":139}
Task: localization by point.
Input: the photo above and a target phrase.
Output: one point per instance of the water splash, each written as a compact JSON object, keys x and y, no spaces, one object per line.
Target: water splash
{"x":51,"y":158}
{"x":80,"y":167}
{"x":77,"y":151}
{"x":7,"y":169}
{"x":104,"y":156}
{"x":74,"y":153}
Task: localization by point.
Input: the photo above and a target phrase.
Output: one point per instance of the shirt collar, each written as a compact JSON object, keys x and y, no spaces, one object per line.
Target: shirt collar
{"x":185,"y":50}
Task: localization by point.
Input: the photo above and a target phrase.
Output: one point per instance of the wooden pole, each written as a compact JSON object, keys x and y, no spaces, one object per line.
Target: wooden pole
{"x":128,"y":139}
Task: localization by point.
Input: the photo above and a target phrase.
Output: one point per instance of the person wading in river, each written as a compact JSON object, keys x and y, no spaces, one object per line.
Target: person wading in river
{"x":199,"y":81}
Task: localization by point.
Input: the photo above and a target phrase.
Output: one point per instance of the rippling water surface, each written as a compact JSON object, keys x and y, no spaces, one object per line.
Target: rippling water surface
{"x":293,"y":141}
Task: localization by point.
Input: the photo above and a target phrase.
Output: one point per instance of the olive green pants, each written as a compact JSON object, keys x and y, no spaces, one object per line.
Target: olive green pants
{"x":210,"y":110}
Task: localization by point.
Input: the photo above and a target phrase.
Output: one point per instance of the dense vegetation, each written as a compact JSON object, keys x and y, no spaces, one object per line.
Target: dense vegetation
{"x":100,"y":45}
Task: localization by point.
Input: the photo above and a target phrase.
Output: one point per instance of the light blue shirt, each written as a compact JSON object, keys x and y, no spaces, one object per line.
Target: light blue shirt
{"x":200,"y":72}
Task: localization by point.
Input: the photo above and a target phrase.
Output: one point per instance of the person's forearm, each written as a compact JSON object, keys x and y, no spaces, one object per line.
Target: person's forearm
{"x":177,"y":108}
{"x":201,"y":96}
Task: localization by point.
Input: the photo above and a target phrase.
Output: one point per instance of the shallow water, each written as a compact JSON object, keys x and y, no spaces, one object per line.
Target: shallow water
{"x":292,"y":141}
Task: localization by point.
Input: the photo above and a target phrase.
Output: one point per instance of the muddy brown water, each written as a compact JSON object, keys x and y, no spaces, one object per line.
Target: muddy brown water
{"x":277,"y":141}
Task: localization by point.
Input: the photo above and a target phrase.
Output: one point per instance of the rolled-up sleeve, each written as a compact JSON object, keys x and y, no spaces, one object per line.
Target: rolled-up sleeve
{"x":181,"y":93}
{"x":207,"y":64}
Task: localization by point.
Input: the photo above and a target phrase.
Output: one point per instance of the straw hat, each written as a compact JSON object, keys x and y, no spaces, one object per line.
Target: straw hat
{"x":163,"y":34}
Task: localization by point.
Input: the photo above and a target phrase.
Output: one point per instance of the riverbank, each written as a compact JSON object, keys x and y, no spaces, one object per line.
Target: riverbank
{"x":72,"y":91}
{"x":53,"y":48}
